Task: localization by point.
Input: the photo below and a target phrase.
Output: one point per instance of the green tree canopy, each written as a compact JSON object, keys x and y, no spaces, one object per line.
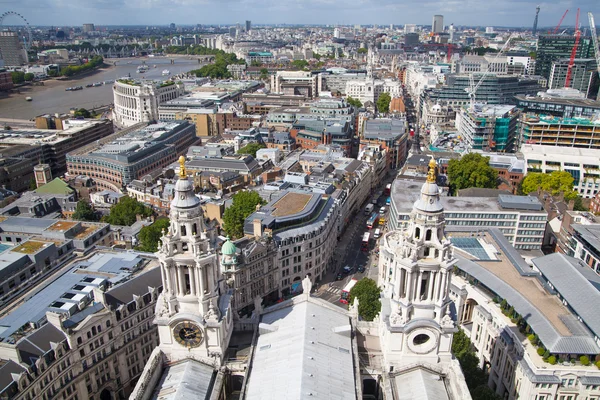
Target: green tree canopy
{"x":29,"y":77}
{"x":362,"y":50}
{"x":125,"y":212}
{"x":82,"y":112}
{"x":367,"y":292}
{"x":383,"y":103}
{"x":17,"y":77}
{"x":244,"y":204}
{"x":300,"y":64}
{"x":472,"y":170}
{"x":32,"y":184}
{"x":354,"y":102}
{"x":251,"y":149}
{"x":84,"y":212}
{"x":151,"y":234}
{"x":554,"y":183}
{"x":264,"y":73}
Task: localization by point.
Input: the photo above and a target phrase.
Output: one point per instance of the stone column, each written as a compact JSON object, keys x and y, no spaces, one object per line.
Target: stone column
{"x":202,"y":283}
{"x":430,"y":284}
{"x":181,"y":280}
{"x":419,"y":282}
{"x":192,"y":281}
{"x":409,"y":285}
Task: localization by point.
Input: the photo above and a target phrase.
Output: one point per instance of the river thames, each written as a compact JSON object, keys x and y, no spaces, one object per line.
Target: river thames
{"x":52,"y":98}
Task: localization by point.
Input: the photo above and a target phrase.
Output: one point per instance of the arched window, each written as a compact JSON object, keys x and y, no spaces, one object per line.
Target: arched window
{"x":428,"y":234}
{"x":183,"y":231}
{"x":417,"y":233}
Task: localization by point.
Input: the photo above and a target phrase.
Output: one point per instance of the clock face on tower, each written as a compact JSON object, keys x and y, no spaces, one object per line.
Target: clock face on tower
{"x":187,"y":334}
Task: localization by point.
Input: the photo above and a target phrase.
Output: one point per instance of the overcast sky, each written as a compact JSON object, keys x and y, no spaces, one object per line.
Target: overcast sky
{"x":383,"y":12}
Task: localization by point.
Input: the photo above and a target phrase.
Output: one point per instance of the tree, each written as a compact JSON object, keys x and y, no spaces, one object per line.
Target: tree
{"x":251,"y":149}
{"x":383,"y":103}
{"x":28,"y":77}
{"x":125,"y":212}
{"x":362,"y":50}
{"x":354,"y":102}
{"x":255,"y":63}
{"x":484,"y":392}
{"x":32,"y":184}
{"x":17,"y":77}
{"x":367,"y":292}
{"x":82,"y":112}
{"x":52,"y":73}
{"x":84,"y":212}
{"x":151,"y":234}
{"x":553,"y":183}
{"x":475,"y":377}
{"x":244,"y":204}
{"x":472,"y":170}
{"x":264,"y":73}
{"x":300,"y":64}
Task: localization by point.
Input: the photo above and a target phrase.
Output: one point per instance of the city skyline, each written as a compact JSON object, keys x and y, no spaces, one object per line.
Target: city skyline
{"x":509,"y":13}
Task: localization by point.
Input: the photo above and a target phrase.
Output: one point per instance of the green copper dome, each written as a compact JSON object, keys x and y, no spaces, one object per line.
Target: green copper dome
{"x":228,"y":248}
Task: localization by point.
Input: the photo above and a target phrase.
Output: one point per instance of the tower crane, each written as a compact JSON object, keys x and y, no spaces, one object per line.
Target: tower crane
{"x":596,"y":49}
{"x":559,"y":23}
{"x":472,"y":89}
{"x":573,"y":52}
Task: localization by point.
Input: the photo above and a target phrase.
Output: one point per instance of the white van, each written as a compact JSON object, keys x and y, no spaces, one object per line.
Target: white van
{"x":377,"y":233}
{"x":369,"y":209}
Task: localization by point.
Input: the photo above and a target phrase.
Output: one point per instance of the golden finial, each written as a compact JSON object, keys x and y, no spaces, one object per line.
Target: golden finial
{"x":182,"y":174}
{"x":431,"y":174}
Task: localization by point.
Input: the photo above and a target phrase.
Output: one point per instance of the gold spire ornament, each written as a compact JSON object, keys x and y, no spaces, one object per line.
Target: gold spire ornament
{"x":182,"y":174}
{"x":431,"y":175}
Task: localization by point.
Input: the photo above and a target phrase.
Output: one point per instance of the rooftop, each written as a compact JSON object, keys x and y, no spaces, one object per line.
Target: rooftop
{"x":291,"y":203}
{"x":304,"y":349}
{"x":29,"y":247}
{"x":558,"y":329}
{"x":62,"y":226}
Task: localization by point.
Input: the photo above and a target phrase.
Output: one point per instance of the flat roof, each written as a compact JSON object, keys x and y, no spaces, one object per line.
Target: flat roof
{"x":590,"y":233}
{"x":304,"y":349}
{"x":67,"y":289}
{"x":557,"y":100}
{"x":556,"y":326}
{"x":291,"y":203}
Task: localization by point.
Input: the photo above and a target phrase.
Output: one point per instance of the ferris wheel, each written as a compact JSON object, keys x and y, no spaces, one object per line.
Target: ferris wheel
{"x":9,"y":14}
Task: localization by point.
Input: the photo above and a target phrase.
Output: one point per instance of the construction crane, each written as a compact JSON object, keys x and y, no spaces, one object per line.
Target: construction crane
{"x":472,"y":89}
{"x":596,"y":49}
{"x":573,"y":52}
{"x":560,"y":22}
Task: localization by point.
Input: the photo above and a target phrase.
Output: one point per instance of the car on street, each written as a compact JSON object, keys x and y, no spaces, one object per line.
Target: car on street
{"x":347,"y":269}
{"x":361,"y":269}
{"x":382,"y":210}
{"x":339,"y":277}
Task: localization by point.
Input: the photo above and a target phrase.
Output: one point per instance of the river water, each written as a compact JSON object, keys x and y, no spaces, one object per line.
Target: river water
{"x":53,"y":98}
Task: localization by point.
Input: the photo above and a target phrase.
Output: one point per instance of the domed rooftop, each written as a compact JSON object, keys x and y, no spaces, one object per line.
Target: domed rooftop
{"x":430,"y":192}
{"x":184,"y":197}
{"x":228,"y":248}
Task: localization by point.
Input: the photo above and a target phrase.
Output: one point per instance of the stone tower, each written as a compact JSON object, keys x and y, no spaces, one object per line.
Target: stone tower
{"x":415,"y":270}
{"x":193,"y":312}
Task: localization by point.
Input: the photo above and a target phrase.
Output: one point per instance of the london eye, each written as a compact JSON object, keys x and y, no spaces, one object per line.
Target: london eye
{"x":10,"y":14}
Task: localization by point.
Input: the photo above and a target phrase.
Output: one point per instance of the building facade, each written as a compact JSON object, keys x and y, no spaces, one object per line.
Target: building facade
{"x":138,"y":101}
{"x":11,"y":49}
{"x":551,"y":48}
{"x":489,"y":128}
{"x":583,"y":73}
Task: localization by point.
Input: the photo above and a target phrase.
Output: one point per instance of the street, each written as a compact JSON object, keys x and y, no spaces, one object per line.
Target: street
{"x":349,"y":253}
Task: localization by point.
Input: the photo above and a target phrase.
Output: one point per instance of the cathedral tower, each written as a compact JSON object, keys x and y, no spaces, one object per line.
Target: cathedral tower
{"x":193,"y":312}
{"x":415,"y":269}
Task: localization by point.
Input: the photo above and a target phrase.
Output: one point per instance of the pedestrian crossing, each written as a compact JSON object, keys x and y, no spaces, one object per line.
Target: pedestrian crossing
{"x":334,"y":290}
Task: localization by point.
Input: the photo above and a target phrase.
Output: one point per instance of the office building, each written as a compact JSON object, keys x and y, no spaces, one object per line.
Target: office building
{"x":87,"y":28}
{"x":138,"y":101}
{"x":311,"y":132}
{"x":297,"y":83}
{"x":6,"y":82}
{"x":584,"y":244}
{"x":581,"y":163}
{"x":248,"y":26}
{"x":549,"y":130}
{"x":12,"y":51}
{"x":521,"y":219}
{"x":489,"y":127}
{"x":132,"y":155}
{"x":416,"y":326}
{"x":559,"y":106}
{"x":551,"y":48}
{"x":533,"y":328}
{"x":495,"y":89}
{"x":582,"y":75}
{"x":390,"y":134}
{"x":437,"y":25}
{"x":22,"y":149}
{"x":86,"y":334}
{"x":369,"y":89}
{"x":336,"y":78}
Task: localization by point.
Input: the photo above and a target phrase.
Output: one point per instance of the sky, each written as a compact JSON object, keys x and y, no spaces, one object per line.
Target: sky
{"x":344,"y":12}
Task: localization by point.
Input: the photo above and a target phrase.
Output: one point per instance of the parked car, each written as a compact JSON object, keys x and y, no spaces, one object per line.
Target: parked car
{"x":382,"y":210}
{"x":339,"y":277}
{"x":347,"y":269}
{"x":361,"y":269}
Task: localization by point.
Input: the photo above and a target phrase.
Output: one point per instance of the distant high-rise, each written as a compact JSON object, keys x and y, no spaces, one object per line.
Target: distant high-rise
{"x":438,"y":24}
{"x":172,"y":25}
{"x":248,"y":26}
{"x":88,"y":28}
{"x":410,"y":28}
{"x":551,"y":48}
{"x":11,"y":49}
{"x":535,"y":21}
